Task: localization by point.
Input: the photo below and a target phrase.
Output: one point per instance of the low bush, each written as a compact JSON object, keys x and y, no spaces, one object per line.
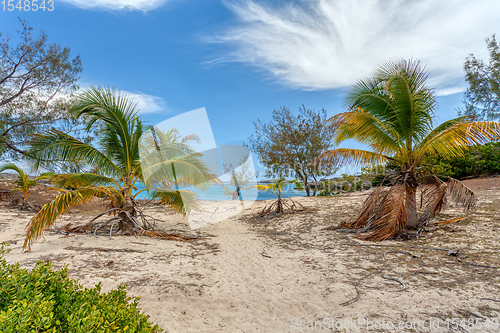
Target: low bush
{"x":45,"y":300}
{"x":479,"y":161}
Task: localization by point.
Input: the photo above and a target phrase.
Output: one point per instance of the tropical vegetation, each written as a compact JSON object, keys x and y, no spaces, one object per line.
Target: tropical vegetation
{"x":115,"y":157}
{"x":46,"y":300}
{"x":482,"y":98}
{"x":393,"y":114}
{"x":482,"y":160}
{"x":36,"y":83}
{"x":24,"y":184}
{"x":280,"y":205}
{"x":288,"y":143}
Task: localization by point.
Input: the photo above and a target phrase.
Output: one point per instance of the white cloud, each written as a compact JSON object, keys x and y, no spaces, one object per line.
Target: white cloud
{"x":322,"y":44}
{"x":147,"y":103}
{"x":142,"y":5}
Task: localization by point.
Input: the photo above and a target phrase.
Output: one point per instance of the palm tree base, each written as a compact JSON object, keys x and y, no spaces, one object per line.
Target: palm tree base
{"x":132,"y":222}
{"x":281,"y":206}
{"x":390,"y":213}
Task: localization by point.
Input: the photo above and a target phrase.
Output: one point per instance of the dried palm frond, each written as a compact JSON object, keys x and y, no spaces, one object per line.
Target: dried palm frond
{"x":392,"y":214}
{"x":370,"y":206}
{"x":458,"y":219}
{"x":433,"y":198}
{"x":461,"y":194}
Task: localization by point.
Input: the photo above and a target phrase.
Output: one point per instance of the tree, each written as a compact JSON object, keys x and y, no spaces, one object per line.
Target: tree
{"x":24,"y":183}
{"x":168,"y":161}
{"x":36,"y":79}
{"x":482,"y":98}
{"x":116,"y":165}
{"x":241,"y":175}
{"x":288,"y":144}
{"x":279,"y":205}
{"x":393,"y":113}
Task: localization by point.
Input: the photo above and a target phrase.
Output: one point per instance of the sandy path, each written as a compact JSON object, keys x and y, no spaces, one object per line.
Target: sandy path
{"x":246,"y":291}
{"x":226,"y":282}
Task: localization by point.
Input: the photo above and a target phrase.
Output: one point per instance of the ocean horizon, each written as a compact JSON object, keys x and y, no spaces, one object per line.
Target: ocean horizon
{"x":216,"y":192}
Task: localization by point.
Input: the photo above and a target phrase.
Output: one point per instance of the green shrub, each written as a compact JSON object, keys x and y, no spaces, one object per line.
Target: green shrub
{"x":44,"y":300}
{"x":478,"y":161}
{"x":379,"y":179}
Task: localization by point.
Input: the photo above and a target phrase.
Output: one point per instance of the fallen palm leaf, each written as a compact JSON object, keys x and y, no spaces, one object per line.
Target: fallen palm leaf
{"x":458,"y":219}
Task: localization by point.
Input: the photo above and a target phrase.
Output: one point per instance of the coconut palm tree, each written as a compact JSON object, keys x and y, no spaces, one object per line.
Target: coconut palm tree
{"x":24,"y":183}
{"x":279,"y":205}
{"x":393,"y":114}
{"x":168,"y":161}
{"x":115,"y":157}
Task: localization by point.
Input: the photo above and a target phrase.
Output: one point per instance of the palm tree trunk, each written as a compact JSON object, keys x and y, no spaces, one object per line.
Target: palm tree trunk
{"x":279,"y":210}
{"x":412,"y":222}
{"x":126,"y":224}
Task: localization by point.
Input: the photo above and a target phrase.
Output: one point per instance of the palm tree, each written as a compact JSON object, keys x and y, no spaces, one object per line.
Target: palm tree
{"x":116,"y":162}
{"x":24,"y":183}
{"x":393,"y":114}
{"x":279,"y":205}
{"x":168,"y":161}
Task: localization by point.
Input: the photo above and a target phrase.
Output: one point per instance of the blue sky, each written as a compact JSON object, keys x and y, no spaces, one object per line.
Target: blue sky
{"x":242,"y":59}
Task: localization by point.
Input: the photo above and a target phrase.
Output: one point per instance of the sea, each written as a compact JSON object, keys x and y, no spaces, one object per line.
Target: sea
{"x":216,"y":192}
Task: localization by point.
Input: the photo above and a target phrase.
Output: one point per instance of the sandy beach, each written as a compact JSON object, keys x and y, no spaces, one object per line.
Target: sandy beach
{"x":288,"y":274}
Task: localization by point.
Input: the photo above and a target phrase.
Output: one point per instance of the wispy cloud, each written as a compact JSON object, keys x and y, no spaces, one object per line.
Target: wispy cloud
{"x":325,"y":44}
{"x":147,"y":103}
{"x":117,"y":5}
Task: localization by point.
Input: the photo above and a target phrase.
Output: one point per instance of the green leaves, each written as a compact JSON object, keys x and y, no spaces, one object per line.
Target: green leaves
{"x":115,"y":160}
{"x":482,"y":98}
{"x":399,"y":99}
{"x":393,"y":114}
{"x":278,"y":186}
{"x":288,"y":144}
{"x":44,"y":300}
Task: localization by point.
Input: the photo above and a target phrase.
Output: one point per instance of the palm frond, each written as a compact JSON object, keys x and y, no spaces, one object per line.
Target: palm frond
{"x":60,"y":204}
{"x":433,"y":198}
{"x":55,"y":145}
{"x":12,"y":167}
{"x":369,"y":209}
{"x":342,"y":156}
{"x":22,"y":181}
{"x":455,"y":137}
{"x":461,"y":194}
{"x":78,"y":180}
{"x":260,"y":187}
{"x":118,"y":115}
{"x":365,"y":128}
{"x":166,"y":158}
{"x":46,"y":175}
{"x":181,"y":201}
{"x":392,"y":214}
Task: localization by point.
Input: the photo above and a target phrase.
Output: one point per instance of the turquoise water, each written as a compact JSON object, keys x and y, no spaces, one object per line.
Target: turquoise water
{"x":216,"y":193}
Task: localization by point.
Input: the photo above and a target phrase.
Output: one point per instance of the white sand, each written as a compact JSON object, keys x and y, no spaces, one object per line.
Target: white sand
{"x":253,"y":275}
